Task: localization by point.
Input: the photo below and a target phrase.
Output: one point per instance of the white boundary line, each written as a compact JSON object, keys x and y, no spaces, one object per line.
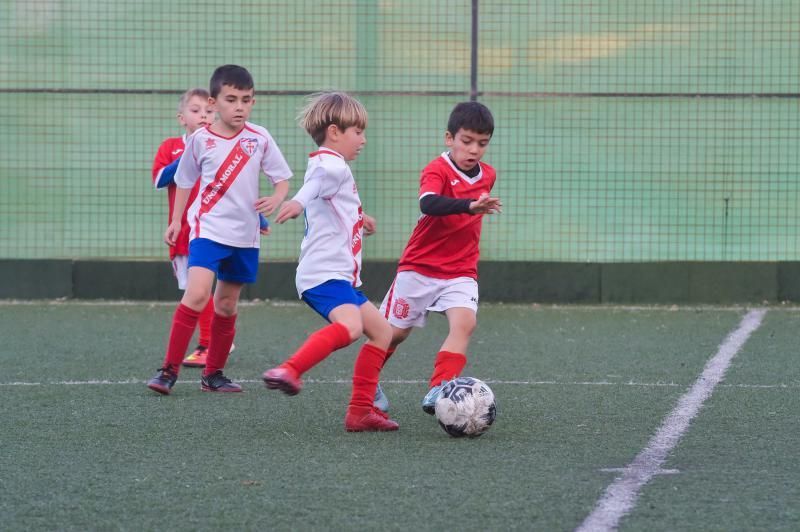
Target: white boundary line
{"x":620,"y":497}
{"x":95,"y":382}
{"x":669,"y":307}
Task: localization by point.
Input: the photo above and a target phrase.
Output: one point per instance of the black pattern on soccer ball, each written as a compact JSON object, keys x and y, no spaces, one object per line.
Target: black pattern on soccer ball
{"x":466,"y":407}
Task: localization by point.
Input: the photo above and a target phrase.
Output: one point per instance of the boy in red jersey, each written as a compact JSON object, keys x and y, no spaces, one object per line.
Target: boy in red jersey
{"x":227,"y":158}
{"x":194,"y":112}
{"x":438,"y":270}
{"x":329,"y":269}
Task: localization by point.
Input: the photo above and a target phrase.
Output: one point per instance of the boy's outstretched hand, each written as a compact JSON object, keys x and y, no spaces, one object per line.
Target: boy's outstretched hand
{"x":290,"y":209}
{"x":486,"y":205}
{"x":267,"y":204}
{"x":370,"y":225}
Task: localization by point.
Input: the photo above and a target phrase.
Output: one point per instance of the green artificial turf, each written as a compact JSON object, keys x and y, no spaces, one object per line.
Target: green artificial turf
{"x":87,"y":446}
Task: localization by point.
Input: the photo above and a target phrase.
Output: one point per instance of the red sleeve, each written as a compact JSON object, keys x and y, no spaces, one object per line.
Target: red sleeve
{"x":431,"y":181}
{"x":163,"y":158}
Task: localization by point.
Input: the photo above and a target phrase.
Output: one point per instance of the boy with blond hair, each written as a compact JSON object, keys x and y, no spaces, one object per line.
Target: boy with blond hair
{"x":329,"y":269}
{"x":227,"y":157}
{"x":438,"y":270}
{"x":194,"y":112}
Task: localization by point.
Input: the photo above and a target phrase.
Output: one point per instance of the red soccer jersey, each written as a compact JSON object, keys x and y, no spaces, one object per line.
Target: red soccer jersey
{"x":171,"y":149}
{"x":446,"y":247}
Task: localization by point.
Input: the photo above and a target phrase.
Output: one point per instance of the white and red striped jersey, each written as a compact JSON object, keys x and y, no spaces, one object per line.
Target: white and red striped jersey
{"x":331,"y":247}
{"x":224,"y":210}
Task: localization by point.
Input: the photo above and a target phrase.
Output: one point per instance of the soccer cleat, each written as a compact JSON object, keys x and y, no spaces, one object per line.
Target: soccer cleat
{"x":282,"y":379}
{"x":217,"y":382}
{"x":381,"y":402}
{"x":373,"y":421}
{"x":163,"y":381}
{"x":429,"y":401}
{"x":384,"y":415}
{"x":196,"y":359}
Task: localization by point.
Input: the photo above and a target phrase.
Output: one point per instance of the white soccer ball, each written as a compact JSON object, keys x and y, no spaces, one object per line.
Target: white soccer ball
{"x":466,"y":407}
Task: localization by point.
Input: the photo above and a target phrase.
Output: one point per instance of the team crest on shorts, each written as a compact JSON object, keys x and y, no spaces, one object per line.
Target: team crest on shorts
{"x":400,"y":309}
{"x":248,"y":146}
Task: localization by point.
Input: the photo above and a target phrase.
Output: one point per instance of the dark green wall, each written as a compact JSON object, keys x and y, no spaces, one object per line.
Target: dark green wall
{"x":545,"y":282}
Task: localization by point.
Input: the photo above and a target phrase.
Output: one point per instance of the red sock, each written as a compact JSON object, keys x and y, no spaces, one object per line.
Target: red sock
{"x":205,"y":323}
{"x":223,"y":328}
{"x":389,"y":354}
{"x":365,"y":375}
{"x":447,"y":366}
{"x":183,"y":323}
{"x":317,"y":347}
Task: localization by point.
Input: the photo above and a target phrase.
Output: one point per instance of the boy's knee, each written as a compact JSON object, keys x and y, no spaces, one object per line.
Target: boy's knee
{"x":195,"y":300}
{"x":225,"y":306}
{"x":383,"y":335}
{"x":355,"y":330}
{"x":226,"y":311}
{"x":465,"y":326}
{"x":473,"y":324}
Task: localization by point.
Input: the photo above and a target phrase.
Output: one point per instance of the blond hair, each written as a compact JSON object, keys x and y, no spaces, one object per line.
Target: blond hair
{"x":188,"y":95}
{"x":326,"y":108}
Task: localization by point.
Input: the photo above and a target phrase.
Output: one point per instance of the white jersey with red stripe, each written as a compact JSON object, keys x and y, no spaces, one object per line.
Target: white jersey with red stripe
{"x":229,"y":168}
{"x":331,"y":247}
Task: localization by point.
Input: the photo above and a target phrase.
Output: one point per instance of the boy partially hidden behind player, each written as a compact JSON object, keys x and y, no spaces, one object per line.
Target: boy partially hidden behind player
{"x":194,"y":112}
{"x":330,"y":260}
{"x":227,"y":157}
{"x":438,"y":269}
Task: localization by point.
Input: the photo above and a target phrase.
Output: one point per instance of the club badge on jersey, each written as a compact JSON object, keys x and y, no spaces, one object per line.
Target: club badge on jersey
{"x":248,"y":145}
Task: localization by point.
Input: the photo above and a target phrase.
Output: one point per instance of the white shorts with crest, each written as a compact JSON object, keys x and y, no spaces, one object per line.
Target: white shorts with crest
{"x":413,"y":295}
{"x":180,"y":266}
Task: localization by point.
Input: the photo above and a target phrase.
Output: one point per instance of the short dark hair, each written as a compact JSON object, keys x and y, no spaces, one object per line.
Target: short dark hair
{"x":231,"y":75}
{"x":473,"y":116}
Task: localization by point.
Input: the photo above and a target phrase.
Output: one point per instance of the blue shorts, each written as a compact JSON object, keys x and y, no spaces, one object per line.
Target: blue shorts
{"x":325,"y":297}
{"x":235,"y":265}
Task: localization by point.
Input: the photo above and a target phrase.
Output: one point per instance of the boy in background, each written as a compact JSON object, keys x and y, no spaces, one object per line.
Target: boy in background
{"x":194,"y":112}
{"x":438,"y":270}
{"x":329,"y":268}
{"x":227,"y":158}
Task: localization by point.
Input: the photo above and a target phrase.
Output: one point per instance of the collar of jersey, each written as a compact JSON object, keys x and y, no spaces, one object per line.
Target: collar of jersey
{"x":325,"y":151}
{"x":462,"y":175}
{"x":208,"y":128}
